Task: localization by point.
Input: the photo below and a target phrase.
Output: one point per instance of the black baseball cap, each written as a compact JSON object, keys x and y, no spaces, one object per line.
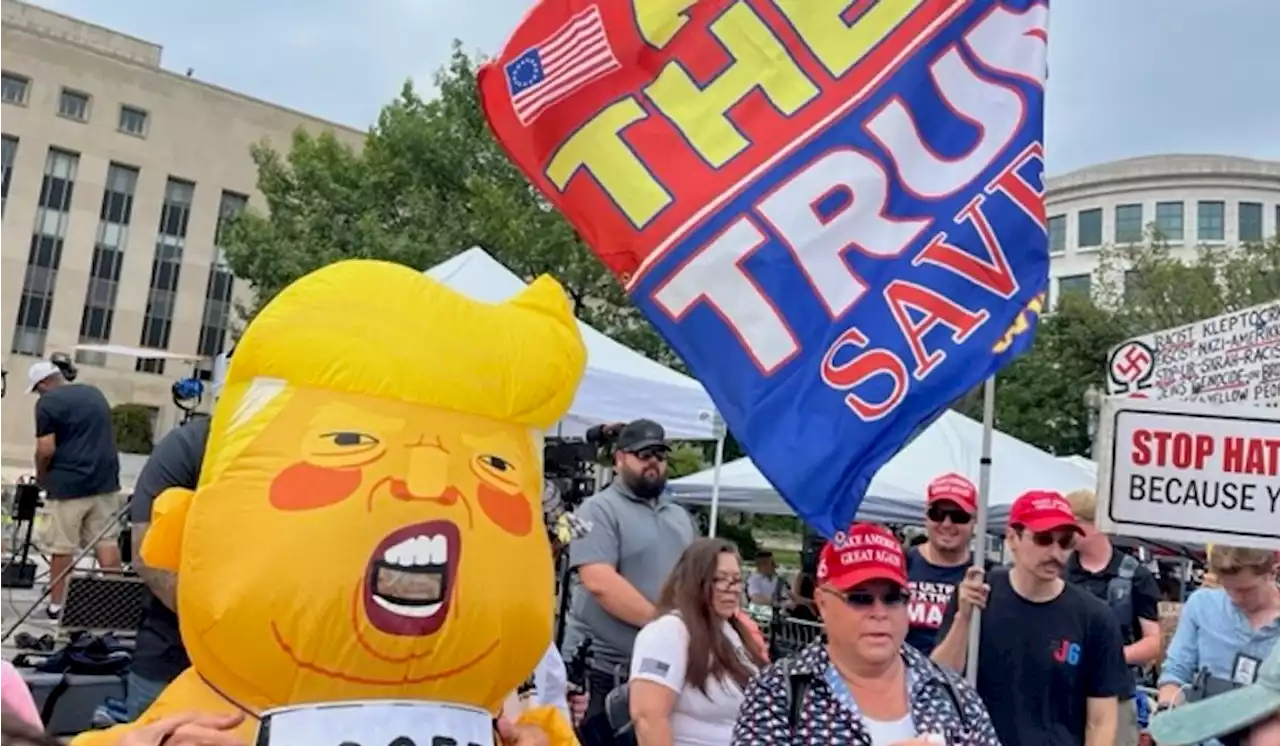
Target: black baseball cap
{"x":641,"y":434}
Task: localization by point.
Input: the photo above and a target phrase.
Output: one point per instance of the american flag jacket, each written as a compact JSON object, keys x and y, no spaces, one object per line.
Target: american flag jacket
{"x":941,"y":703}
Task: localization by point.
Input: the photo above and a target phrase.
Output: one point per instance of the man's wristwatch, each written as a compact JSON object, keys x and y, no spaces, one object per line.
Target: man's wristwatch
{"x":1162,"y":706}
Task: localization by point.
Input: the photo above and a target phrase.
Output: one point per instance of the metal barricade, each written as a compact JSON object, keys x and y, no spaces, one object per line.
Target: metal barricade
{"x":790,"y":636}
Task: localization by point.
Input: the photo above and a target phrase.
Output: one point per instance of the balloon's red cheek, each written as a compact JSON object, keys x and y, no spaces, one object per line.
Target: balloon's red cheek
{"x":305,"y":486}
{"x":511,"y":512}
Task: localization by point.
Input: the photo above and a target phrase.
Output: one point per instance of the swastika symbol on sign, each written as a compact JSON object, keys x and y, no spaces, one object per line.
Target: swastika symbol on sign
{"x":1132,"y":365}
{"x":1133,"y":362}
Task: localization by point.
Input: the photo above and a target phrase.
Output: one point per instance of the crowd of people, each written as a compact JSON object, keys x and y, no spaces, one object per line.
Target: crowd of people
{"x":1069,"y":628}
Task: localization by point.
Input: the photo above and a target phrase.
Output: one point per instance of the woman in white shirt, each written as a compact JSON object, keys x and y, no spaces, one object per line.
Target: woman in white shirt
{"x":690,"y":664}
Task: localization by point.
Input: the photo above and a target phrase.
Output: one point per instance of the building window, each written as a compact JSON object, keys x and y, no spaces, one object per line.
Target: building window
{"x":1128,"y":223}
{"x":157,"y":323}
{"x":45,"y":255}
{"x":10,"y":152}
{"x":133,"y":121}
{"x":74,"y":105}
{"x":1251,"y":221}
{"x":13,"y":88}
{"x":1081,"y":285}
{"x":1169,"y":220}
{"x":217,"y":293}
{"x":108,"y":256}
{"x":1057,"y":234}
{"x":1089,"y":223}
{"x":1209,"y":220}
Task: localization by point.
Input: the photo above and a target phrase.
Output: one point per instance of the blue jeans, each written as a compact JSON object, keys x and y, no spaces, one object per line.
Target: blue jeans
{"x":140,"y":693}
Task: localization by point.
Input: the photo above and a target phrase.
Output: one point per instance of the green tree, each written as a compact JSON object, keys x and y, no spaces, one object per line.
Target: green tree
{"x":429,"y":182}
{"x":132,"y":426}
{"x":1040,"y":398}
{"x":685,"y":459}
{"x":1151,"y":288}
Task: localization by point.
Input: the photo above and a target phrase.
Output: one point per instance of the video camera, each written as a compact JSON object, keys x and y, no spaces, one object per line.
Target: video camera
{"x":567,"y":466}
{"x":65,"y":365}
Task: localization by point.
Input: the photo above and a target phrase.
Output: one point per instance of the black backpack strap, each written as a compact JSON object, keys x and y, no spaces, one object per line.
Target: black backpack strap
{"x":51,"y":701}
{"x":799,"y":684}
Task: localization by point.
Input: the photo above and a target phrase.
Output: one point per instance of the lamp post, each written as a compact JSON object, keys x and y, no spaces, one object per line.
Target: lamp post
{"x":1093,"y":405}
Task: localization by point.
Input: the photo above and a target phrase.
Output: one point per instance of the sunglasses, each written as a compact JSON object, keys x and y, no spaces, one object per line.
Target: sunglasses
{"x":1048,"y":538}
{"x":651,"y":454}
{"x":957,"y":516}
{"x":891,"y":598}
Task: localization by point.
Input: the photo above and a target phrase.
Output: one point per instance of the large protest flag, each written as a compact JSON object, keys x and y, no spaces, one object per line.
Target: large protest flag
{"x":832,"y":210}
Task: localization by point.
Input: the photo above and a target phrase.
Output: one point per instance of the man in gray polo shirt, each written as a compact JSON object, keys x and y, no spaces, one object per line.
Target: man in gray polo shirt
{"x":635,"y":539}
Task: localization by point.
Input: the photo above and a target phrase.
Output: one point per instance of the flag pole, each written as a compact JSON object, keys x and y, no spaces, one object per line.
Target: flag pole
{"x":980,"y":530}
{"x":720,"y":431}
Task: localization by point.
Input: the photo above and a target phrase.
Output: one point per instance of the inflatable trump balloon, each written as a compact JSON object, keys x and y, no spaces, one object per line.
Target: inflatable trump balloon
{"x":366,"y":537}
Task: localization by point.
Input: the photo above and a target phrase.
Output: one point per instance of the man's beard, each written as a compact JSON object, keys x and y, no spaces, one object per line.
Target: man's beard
{"x":645,"y":486}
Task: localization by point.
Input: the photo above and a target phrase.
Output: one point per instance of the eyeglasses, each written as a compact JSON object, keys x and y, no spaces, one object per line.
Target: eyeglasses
{"x":727,"y":584}
{"x":651,"y":454}
{"x":891,"y":598}
{"x":1065,"y":540}
{"x":957,"y":516}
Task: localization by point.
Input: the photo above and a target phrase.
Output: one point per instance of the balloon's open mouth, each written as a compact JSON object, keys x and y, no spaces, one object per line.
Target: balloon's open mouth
{"x":410,"y":577}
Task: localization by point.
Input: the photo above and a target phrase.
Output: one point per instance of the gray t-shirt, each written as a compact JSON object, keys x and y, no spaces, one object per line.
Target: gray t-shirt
{"x":642,"y":540}
{"x":158,"y":654}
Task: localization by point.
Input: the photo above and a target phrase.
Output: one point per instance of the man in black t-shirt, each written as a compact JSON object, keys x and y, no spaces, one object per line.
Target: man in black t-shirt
{"x":1050,"y":667}
{"x":937,"y":567}
{"x":79,"y":468}
{"x":1128,"y":588}
{"x":159,"y":656}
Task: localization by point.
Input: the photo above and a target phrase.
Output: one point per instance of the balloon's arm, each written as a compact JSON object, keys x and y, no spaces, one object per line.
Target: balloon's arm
{"x":551,"y":721}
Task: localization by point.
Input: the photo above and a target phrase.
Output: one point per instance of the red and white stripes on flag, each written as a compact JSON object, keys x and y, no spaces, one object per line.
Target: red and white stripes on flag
{"x":578,"y":53}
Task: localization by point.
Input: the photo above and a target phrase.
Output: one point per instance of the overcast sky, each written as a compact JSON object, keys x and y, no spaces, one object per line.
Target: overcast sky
{"x":1127,"y":77}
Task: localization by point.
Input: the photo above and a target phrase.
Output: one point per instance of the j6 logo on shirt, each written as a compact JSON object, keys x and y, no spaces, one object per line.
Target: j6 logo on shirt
{"x":1067,"y":652}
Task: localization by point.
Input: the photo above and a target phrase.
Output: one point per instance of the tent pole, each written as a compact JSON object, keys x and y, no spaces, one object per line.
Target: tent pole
{"x":980,"y":530}
{"x":715,"y":476}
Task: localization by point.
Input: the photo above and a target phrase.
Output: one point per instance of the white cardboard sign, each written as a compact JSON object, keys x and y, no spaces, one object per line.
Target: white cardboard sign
{"x":376,"y":723}
{"x":1229,"y":359}
{"x":1190,"y":472}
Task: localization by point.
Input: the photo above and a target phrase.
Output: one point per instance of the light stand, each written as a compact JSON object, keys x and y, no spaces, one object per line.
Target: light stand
{"x":20,"y":571}
{"x":1093,"y":405}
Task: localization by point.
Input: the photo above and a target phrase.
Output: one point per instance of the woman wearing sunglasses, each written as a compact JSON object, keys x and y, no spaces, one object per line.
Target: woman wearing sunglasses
{"x":690,"y":664}
{"x":860,"y":683}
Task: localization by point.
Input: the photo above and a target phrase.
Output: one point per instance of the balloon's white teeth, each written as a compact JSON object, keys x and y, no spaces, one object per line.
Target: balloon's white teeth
{"x":419,"y":551}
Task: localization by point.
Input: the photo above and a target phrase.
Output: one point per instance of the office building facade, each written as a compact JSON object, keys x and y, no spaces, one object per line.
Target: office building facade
{"x":1191,"y":200}
{"x":119,"y":177}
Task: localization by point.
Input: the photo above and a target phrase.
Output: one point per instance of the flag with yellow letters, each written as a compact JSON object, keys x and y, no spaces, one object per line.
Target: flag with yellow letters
{"x":832,"y":209}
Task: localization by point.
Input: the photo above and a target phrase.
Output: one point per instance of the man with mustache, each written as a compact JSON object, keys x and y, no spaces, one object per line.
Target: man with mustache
{"x":1051,"y":664}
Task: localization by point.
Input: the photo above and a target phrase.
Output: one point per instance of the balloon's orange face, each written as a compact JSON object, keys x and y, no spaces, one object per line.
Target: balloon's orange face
{"x":373,"y":549}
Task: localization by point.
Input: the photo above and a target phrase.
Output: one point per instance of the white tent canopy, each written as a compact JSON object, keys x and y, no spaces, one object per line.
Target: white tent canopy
{"x":620,"y":384}
{"x":953,"y":443}
{"x":1084,"y":464}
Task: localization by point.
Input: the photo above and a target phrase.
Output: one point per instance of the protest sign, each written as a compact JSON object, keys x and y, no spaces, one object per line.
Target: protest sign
{"x":834,"y":214}
{"x":1229,"y":359}
{"x":373,"y":723}
{"x":1190,"y":472}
